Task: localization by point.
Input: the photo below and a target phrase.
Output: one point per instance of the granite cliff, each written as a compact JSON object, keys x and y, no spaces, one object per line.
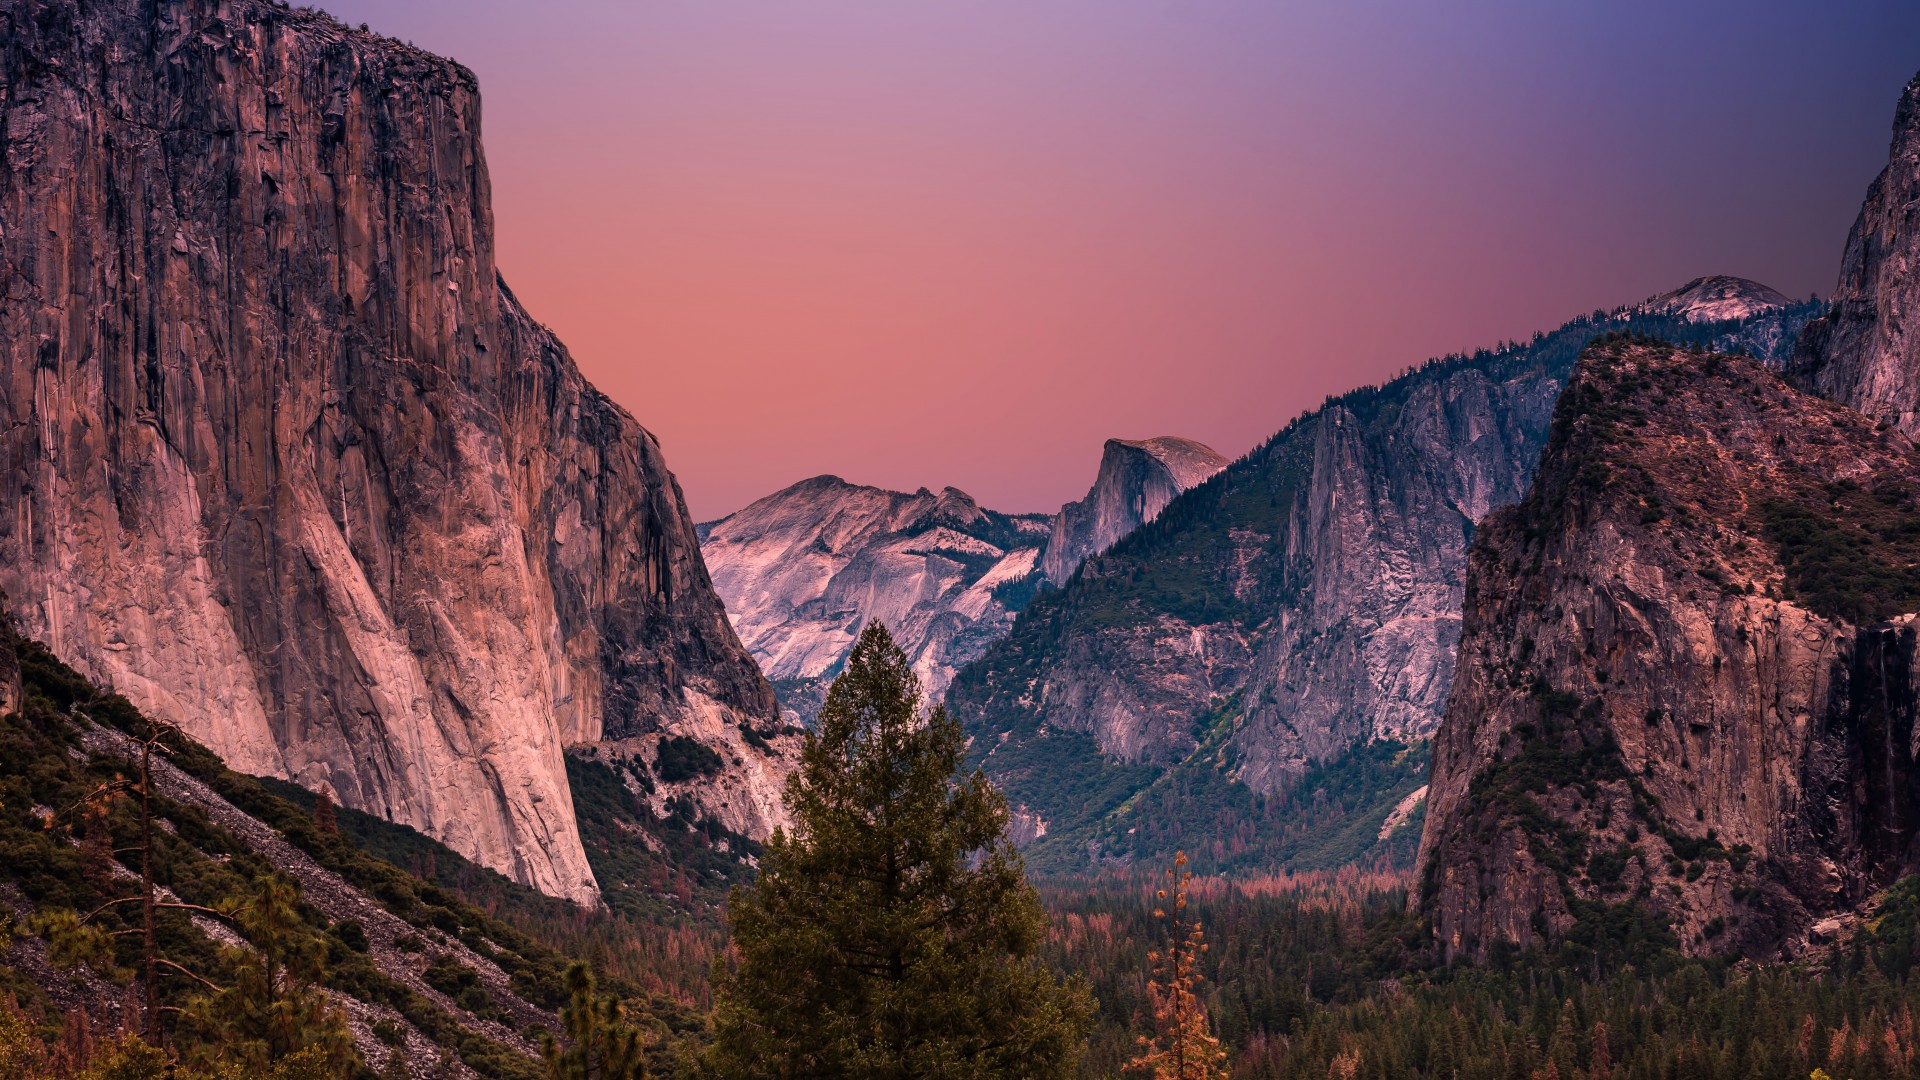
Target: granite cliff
{"x":287,"y":463}
{"x":1136,"y":480}
{"x":1294,"y":619}
{"x":1866,"y":352}
{"x":804,"y":569}
{"x":1686,"y":681}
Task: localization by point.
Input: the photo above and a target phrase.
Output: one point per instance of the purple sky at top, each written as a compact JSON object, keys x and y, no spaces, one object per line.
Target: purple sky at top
{"x":939,"y":243}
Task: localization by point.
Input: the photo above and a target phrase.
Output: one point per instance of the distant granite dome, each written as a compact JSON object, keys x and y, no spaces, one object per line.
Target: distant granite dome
{"x":1719,"y":298}
{"x":804,"y":569}
{"x":1137,"y":479}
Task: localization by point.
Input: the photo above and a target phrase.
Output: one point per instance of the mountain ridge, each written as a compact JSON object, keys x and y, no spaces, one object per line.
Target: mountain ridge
{"x":1277,"y":618}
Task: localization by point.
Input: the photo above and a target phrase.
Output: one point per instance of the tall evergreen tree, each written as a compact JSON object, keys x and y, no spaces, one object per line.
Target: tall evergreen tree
{"x":892,"y":934}
{"x":600,"y":1043}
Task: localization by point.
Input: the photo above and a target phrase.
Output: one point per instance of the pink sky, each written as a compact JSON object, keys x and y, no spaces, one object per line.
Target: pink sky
{"x":945,"y":243}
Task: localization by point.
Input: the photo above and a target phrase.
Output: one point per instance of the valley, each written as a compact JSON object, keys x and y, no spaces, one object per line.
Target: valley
{"x":373,"y":705}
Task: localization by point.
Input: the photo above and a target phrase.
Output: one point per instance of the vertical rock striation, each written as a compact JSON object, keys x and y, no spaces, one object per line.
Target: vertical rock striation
{"x":1305,"y":600}
{"x":1136,"y":480}
{"x":1686,"y":680}
{"x":287,"y":463}
{"x":1866,"y":352}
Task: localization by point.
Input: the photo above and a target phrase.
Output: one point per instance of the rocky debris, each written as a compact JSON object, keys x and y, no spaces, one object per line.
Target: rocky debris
{"x":1136,"y":480}
{"x":1866,"y":351}
{"x":803,"y":570}
{"x":1402,"y":811}
{"x":286,"y":461}
{"x":338,"y":900}
{"x":1686,"y":678}
{"x":77,"y":989}
{"x":1717,"y":299}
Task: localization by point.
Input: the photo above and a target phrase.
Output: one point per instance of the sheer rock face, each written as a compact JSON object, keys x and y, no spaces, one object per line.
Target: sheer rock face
{"x":10,"y":691}
{"x":287,"y":463}
{"x":803,"y":570}
{"x":1137,"y":479}
{"x":1375,"y":563}
{"x":1866,"y":352}
{"x":1654,"y":702}
{"x":1306,"y":598}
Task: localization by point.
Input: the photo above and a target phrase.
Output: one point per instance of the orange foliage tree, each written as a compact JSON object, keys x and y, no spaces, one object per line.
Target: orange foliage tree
{"x":1181,"y":1048}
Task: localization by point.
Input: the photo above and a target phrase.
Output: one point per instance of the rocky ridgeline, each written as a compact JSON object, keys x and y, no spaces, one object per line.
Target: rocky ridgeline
{"x":1686,"y":680}
{"x":290,"y":465}
{"x":804,"y":569}
{"x":1303,"y":601}
{"x":1866,"y":352}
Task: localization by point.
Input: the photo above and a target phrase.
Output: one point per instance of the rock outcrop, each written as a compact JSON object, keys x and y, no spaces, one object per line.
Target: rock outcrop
{"x":287,"y":463}
{"x":1866,"y":352}
{"x":1136,"y":480}
{"x":1686,"y":680}
{"x":1305,"y":600}
{"x":804,"y":569}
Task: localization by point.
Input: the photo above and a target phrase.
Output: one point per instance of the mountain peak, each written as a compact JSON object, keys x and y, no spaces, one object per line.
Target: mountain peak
{"x":1137,"y":479}
{"x":1717,"y":298}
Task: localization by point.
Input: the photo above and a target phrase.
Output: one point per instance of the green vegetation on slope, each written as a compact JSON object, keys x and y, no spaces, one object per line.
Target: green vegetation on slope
{"x":1850,"y":551}
{"x":1215,"y":558}
{"x":532,"y":938}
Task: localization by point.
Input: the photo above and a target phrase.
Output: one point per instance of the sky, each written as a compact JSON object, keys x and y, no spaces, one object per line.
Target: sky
{"x":963,"y":243}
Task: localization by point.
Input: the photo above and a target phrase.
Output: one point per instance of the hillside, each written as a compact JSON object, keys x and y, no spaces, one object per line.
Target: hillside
{"x":1253,"y":675}
{"x":455,"y":972}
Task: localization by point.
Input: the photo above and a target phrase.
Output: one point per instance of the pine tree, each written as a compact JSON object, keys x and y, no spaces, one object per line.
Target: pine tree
{"x":892,"y":934}
{"x":601,"y":1044}
{"x":1181,"y":1048}
{"x":275,"y":1019}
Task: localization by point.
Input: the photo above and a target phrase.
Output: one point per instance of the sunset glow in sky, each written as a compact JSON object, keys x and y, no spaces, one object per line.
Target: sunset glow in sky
{"x":963,"y":243}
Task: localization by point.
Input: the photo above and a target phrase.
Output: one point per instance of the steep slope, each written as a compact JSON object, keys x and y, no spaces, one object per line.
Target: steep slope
{"x":1136,"y":480}
{"x":1866,"y":352}
{"x":1686,"y":681}
{"x":421,"y":973}
{"x":804,"y":569}
{"x":289,"y":464}
{"x":1274,"y":620}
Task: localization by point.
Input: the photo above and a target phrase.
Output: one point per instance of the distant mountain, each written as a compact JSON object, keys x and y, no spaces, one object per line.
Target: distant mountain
{"x":802,"y":570}
{"x":1252,"y":676}
{"x":1717,"y":299}
{"x":1135,"y":482}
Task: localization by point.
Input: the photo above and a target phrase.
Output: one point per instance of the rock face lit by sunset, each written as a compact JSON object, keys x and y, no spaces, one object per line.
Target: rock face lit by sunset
{"x":1019,"y":541}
